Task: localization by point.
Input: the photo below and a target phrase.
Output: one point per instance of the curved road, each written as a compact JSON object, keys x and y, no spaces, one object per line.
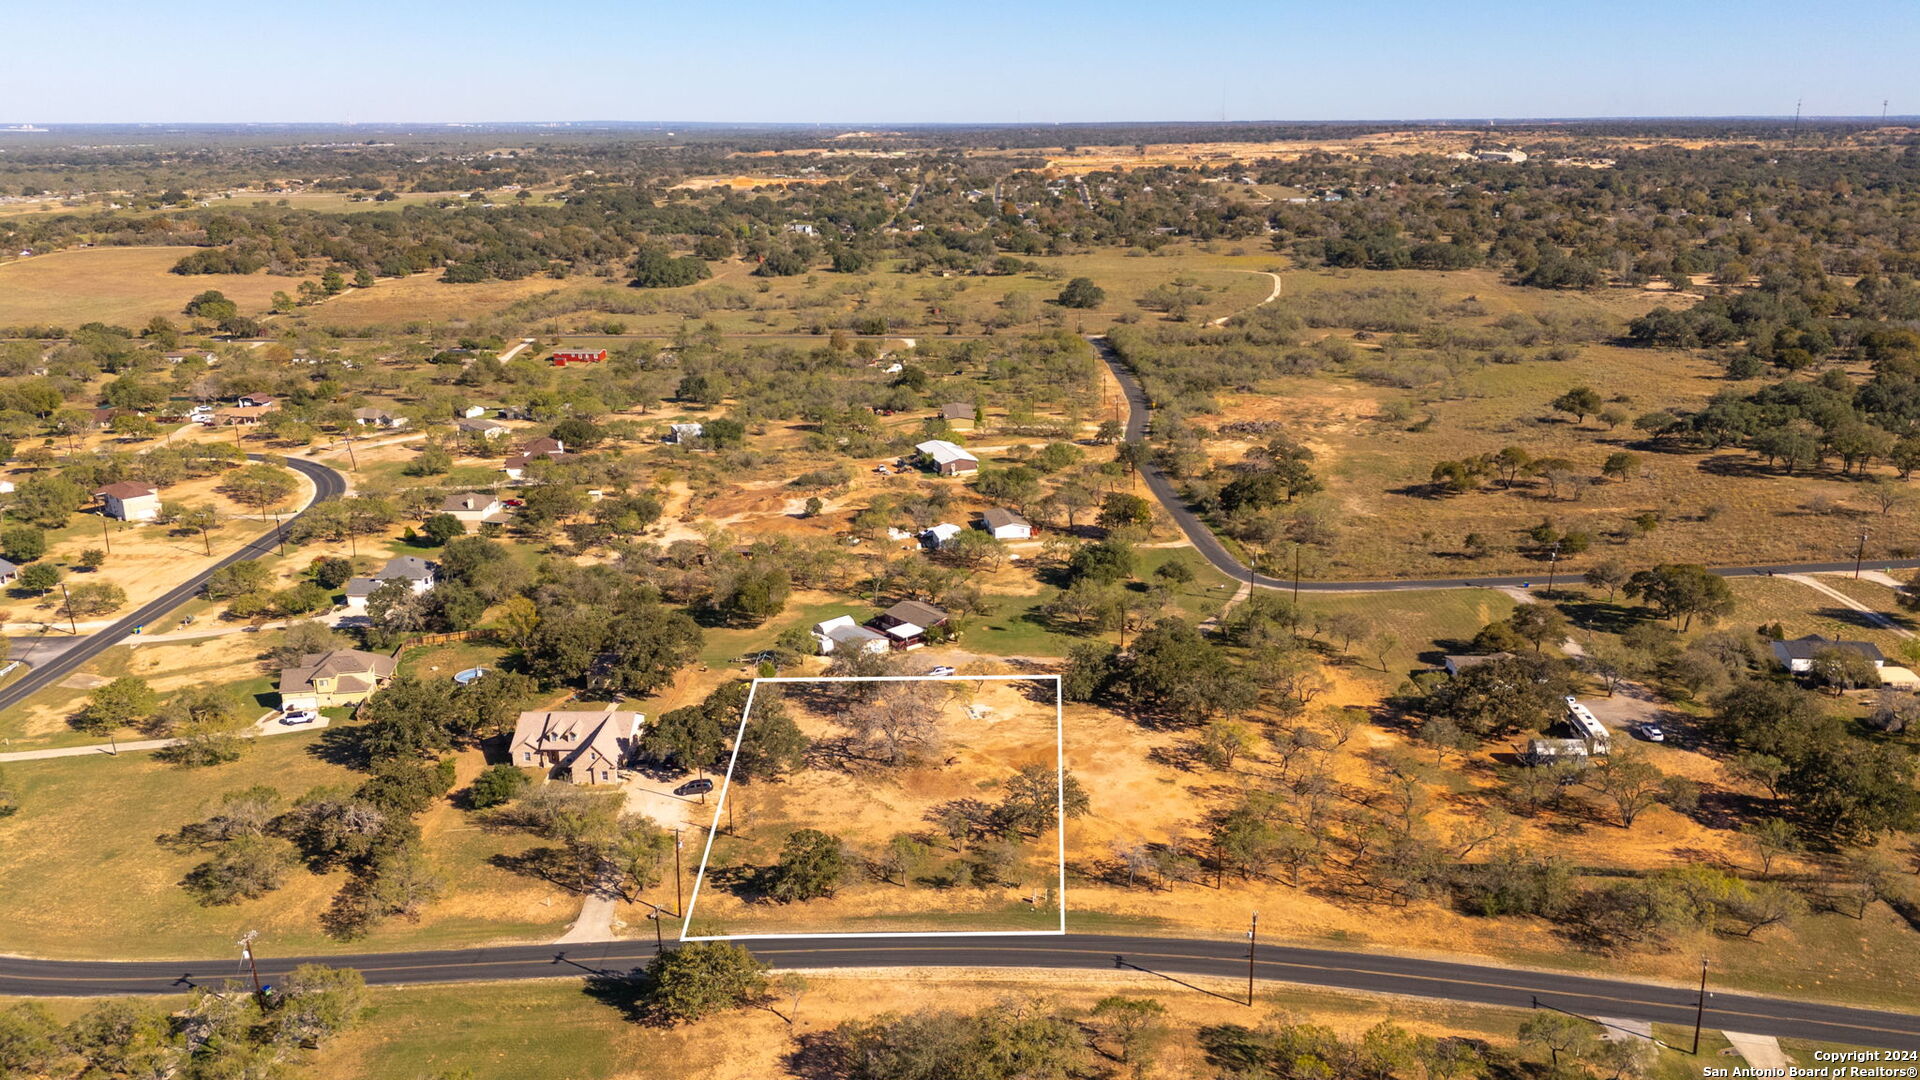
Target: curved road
{"x":326,"y":483}
{"x":1210,"y":548}
{"x":1170,"y":958}
{"x":1164,"y":957}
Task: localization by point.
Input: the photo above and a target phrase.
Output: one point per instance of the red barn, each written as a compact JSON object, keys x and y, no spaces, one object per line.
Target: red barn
{"x":563,"y":357}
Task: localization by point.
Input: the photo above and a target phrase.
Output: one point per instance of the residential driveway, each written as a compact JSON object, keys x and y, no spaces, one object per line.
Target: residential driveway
{"x":267,"y":724}
{"x":1761,"y":1051}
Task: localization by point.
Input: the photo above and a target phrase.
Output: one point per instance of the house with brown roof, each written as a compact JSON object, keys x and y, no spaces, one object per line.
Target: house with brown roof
{"x":906,"y":623}
{"x":340,"y":677}
{"x":243,"y":415}
{"x":129,"y":501}
{"x":584,"y":746}
{"x":957,"y":412}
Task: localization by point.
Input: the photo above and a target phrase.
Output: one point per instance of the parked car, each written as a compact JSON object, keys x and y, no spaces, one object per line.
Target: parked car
{"x":694,"y":787}
{"x":941,"y":670}
{"x":1653,"y":732}
{"x":296,"y":717}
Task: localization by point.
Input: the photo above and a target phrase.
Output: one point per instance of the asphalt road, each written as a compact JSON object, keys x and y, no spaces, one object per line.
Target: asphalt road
{"x":1140,"y":415}
{"x":326,"y":483}
{"x":1169,"y":958}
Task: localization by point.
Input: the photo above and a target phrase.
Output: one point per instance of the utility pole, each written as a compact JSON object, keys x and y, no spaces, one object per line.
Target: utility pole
{"x":1859,"y":553}
{"x":106,"y":535}
{"x":72,"y":626}
{"x":246,"y":950}
{"x":1253,"y":942}
{"x":1700,"y":1009}
{"x":1296,"y":576}
{"x":679,"y":905}
{"x":1553,"y":561}
{"x":279,"y":534}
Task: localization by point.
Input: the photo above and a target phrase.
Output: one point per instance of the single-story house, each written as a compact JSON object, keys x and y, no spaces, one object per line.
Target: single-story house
{"x":492,"y":429}
{"x":956,"y":412}
{"x":242,"y":415}
{"x":8,"y":572}
{"x":412,"y":569}
{"x":255,"y":401}
{"x":940,"y":535}
{"x":516,"y":466}
{"x":473,"y":412}
{"x":473,"y":507}
{"x":1457,"y":664}
{"x":340,"y":677}
{"x":1797,"y":655}
{"x":684,"y":433}
{"x":844,"y":633}
{"x":1005,"y":524}
{"x":948,"y":459}
{"x":130,"y":501}
{"x":907,"y":622}
{"x":378,"y":418}
{"x":584,"y":746}
{"x":544,"y":444}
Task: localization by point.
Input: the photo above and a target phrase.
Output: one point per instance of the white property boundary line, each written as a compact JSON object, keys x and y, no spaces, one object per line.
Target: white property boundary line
{"x":1059,"y":803}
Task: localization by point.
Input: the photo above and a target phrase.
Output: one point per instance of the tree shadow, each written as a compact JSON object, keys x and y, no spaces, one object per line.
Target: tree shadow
{"x":818,"y":1055}
{"x":343,"y":746}
{"x":548,"y":864}
{"x":1860,"y":620}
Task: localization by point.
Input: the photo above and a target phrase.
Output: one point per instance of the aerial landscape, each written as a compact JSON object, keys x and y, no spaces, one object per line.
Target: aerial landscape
{"x":901,"y":576}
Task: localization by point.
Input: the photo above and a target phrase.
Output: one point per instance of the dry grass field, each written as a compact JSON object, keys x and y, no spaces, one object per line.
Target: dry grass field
{"x":794,"y":305}
{"x":89,"y":820}
{"x":1376,"y":445}
{"x":123,"y":286}
{"x":988,"y":731}
{"x":551,"y":1030}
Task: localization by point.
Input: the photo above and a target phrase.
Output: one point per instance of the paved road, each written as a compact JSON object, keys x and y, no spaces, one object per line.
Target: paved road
{"x":326,"y":483}
{"x":1171,"y":958}
{"x":1210,"y":548}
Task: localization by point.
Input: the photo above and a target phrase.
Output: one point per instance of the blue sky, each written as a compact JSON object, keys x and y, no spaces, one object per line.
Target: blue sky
{"x":852,"y":61}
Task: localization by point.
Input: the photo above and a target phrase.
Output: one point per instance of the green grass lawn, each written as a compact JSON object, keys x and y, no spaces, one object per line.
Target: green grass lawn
{"x":1017,"y":626}
{"x":1424,"y":624}
{"x":1802,"y":610}
{"x":547,"y":1030}
{"x":88,"y":821}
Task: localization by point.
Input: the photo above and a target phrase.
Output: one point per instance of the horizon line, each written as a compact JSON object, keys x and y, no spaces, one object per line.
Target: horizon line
{"x":20,"y":126}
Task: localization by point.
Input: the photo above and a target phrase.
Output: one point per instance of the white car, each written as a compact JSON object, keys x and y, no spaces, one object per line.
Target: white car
{"x":296,"y":717}
{"x":941,"y":670}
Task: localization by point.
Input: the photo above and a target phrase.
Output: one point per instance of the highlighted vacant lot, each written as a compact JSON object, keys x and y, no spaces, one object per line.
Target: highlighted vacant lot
{"x":924,"y":804}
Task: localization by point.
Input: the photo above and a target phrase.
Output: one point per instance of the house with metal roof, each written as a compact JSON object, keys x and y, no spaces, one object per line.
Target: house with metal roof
{"x":843,"y":633}
{"x":948,"y":459}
